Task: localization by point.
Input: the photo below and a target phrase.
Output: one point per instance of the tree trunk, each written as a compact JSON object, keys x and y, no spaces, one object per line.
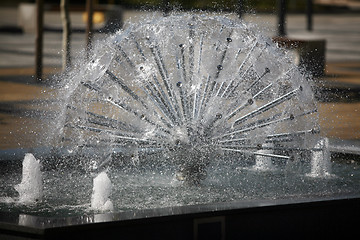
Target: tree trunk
{"x":65,"y":17}
{"x":282,"y":17}
{"x":89,"y":26}
{"x":39,"y":39}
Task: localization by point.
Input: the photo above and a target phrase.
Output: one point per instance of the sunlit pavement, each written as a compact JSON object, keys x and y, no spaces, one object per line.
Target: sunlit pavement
{"x":21,"y":96}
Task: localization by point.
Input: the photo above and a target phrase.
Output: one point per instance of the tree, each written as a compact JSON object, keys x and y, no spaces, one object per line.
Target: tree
{"x":65,"y":17}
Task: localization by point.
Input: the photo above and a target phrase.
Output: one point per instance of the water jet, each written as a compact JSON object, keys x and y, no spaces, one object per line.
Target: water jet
{"x":30,"y":189}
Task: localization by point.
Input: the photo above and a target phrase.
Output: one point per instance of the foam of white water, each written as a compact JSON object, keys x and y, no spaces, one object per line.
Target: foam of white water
{"x":320,"y":159}
{"x":31,"y":187}
{"x":101,"y":193}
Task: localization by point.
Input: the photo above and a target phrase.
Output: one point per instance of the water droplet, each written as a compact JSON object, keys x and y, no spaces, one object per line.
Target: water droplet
{"x":179,"y":84}
{"x":181,"y":45}
{"x":228,"y":39}
{"x":218,"y":116}
{"x":220,"y":67}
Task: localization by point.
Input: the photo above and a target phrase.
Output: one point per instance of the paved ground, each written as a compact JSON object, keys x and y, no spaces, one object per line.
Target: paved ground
{"x":341,"y":32}
{"x":21,"y":95}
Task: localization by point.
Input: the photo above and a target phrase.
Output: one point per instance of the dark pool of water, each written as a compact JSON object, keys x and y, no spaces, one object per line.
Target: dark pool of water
{"x":68,"y":192}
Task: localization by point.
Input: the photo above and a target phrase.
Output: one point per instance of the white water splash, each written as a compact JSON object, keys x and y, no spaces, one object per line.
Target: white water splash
{"x":101,"y":192}
{"x":31,"y":187}
{"x":320,"y":159}
{"x":264,"y":163}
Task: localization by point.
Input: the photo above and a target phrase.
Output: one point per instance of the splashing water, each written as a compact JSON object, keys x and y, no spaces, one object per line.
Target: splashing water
{"x":101,"y":193}
{"x":192,"y":89}
{"x":203,"y":98}
{"x":31,"y":187}
{"x":320,"y":159}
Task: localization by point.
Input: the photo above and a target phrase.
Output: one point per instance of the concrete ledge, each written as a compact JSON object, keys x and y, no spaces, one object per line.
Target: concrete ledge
{"x":322,"y":218}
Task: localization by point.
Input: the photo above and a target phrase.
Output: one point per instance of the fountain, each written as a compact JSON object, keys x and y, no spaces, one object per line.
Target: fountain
{"x":153,"y":88}
{"x":191,"y":115}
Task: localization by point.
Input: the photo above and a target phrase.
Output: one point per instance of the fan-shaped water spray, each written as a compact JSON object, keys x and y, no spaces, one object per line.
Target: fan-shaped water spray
{"x":192,"y":88}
